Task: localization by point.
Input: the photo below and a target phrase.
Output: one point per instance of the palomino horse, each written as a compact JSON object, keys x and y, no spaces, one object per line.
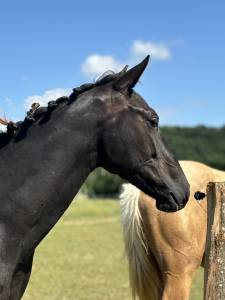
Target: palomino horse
{"x":45,"y":159}
{"x":165,"y":249}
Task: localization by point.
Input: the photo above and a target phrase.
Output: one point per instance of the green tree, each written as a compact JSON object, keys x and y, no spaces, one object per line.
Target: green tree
{"x":102,"y":183}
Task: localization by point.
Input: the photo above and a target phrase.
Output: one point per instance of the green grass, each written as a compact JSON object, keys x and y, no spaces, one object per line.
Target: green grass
{"x":82,"y":257}
{"x":197,"y":287}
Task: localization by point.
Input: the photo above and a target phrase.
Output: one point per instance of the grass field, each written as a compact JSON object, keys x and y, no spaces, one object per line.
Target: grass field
{"x":82,"y":257}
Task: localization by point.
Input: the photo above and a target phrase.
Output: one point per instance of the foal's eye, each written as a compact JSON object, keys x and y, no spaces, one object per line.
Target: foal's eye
{"x":153,"y":122}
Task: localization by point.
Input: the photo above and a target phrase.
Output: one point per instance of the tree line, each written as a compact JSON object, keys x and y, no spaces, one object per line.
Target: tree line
{"x":200,"y":143}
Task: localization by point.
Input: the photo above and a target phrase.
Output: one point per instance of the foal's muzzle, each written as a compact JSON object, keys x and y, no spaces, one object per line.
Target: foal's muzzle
{"x":171,"y":203}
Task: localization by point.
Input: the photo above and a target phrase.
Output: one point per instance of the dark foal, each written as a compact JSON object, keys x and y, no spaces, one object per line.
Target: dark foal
{"x":44,"y":163}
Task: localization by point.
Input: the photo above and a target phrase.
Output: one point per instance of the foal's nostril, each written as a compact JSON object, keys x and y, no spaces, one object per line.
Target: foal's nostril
{"x":175,"y":199}
{"x":154,"y":155}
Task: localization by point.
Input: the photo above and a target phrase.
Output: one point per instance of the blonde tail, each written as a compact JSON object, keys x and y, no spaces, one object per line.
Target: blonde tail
{"x":142,"y":269}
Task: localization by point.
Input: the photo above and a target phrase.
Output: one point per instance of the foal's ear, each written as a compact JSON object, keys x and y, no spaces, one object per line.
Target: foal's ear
{"x":128,"y":80}
{"x":123,"y":71}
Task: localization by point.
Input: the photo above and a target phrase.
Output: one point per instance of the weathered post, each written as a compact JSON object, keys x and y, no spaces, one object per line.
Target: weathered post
{"x":214,"y":283}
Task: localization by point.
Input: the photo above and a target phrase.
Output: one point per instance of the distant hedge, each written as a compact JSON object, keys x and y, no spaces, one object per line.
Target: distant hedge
{"x":204,"y":144}
{"x":102,"y":183}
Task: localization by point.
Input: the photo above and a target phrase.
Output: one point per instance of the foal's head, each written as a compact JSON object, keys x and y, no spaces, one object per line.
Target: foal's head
{"x":130,"y":143}
{"x":120,"y":131}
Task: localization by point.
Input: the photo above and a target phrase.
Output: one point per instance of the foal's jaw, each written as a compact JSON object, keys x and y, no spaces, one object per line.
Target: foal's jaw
{"x":171,"y":193}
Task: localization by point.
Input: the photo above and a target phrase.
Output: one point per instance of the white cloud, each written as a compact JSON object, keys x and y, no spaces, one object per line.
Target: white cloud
{"x":46,"y":97}
{"x":3,"y":128}
{"x":95,"y":65}
{"x":156,"y":50}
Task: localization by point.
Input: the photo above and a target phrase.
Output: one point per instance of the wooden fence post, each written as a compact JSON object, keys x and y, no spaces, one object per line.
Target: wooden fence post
{"x":214,"y":282}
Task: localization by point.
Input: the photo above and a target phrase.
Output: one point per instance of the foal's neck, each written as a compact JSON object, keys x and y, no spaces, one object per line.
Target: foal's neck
{"x":50,"y":165}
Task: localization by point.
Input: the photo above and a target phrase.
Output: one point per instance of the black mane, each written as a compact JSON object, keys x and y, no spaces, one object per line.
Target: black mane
{"x":44,"y":113}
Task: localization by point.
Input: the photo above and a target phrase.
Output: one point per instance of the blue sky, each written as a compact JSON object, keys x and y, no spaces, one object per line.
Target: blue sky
{"x":49,"y":47}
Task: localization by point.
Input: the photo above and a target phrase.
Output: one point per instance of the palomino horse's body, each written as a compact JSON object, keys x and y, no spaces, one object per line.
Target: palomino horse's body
{"x":165,"y":249}
{"x":45,"y":159}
